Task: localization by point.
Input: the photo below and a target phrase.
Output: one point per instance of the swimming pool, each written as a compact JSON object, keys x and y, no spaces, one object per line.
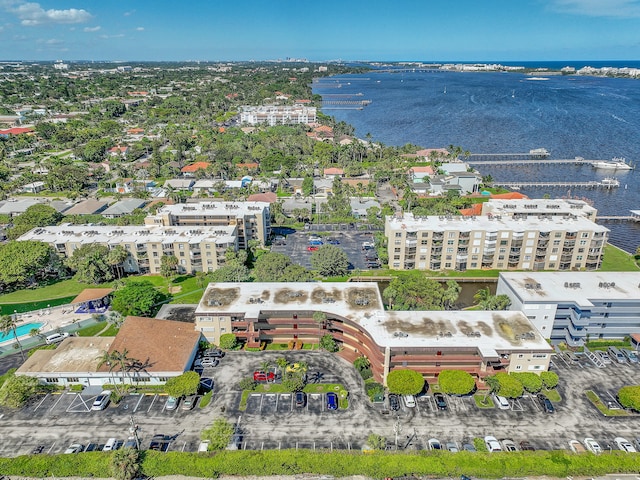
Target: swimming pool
{"x":20,"y":331}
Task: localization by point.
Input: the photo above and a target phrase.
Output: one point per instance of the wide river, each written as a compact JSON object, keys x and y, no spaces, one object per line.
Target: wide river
{"x":590,"y":117}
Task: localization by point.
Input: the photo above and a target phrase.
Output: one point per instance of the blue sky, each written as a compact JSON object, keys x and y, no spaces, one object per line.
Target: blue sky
{"x":428,"y":30}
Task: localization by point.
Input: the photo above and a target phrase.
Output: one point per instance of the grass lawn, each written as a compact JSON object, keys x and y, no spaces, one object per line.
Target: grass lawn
{"x":480,"y":403}
{"x":110,"y":332}
{"x":552,"y":395}
{"x":599,"y":404}
{"x":616,"y":260}
{"x":61,"y":289}
{"x":91,"y":330}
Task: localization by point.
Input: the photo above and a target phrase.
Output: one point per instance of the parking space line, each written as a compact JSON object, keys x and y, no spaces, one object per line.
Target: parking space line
{"x":535,"y":403}
{"x":55,"y":404}
{"x":41,"y":402}
{"x":152,"y":402}
{"x":135,"y":409}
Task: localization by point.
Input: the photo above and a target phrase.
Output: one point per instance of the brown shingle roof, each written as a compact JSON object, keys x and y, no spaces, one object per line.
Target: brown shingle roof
{"x":92,"y":294}
{"x":165,"y":345}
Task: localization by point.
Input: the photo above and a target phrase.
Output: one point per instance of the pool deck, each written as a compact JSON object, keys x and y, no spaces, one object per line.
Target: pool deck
{"x":52,"y":319}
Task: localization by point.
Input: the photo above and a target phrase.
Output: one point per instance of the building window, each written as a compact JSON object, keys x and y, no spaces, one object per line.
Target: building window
{"x":539,"y":355}
{"x":181,"y":246}
{"x":585,"y":235}
{"x":424,"y":242}
{"x":398,"y":234}
{"x":449,"y":249}
{"x":450,"y":242}
{"x":518,"y":367}
{"x":396,"y":264}
{"x":396,"y":257}
{"x":452,"y":234}
{"x":474,"y":265}
{"x":183,"y":262}
{"x":503,"y":242}
{"x":447,"y":265}
{"x":73,"y":380}
{"x":583,"y":242}
{"x":51,"y":380}
{"x":521,"y":355}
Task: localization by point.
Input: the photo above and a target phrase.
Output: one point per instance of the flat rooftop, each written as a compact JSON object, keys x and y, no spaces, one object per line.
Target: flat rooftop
{"x":579,"y":287}
{"x":484,"y":223}
{"x":73,"y":355}
{"x":109,"y":234}
{"x":213,"y":208}
{"x":538,"y":205}
{"x":361,"y":303}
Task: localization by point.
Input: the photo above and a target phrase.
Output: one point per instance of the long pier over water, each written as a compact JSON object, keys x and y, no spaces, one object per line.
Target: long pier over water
{"x":541,"y":161}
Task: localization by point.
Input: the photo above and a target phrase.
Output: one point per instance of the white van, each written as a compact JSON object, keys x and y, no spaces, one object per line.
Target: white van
{"x":56,"y":338}
{"x":110,"y":445}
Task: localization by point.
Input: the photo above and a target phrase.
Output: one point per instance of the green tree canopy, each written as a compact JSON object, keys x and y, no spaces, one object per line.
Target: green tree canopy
{"x":27,"y":261}
{"x":91,"y":263}
{"x":17,"y":389}
{"x":38,"y":215}
{"x":137,"y":297}
{"x":405,"y":382}
{"x":456,"y":382}
{"x":234,"y":272}
{"x":510,"y":386}
{"x":330,"y":260}
{"x":228,"y":341}
{"x":629,"y":397}
{"x":270,"y":267}
{"x":168,"y":265}
{"x":328,"y":343}
{"x":414,"y":292}
{"x":530,"y":381}
{"x":185,"y":384}
{"x":376,"y":442}
{"x":125,"y":464}
{"x":549,"y":379}
{"x":219,"y":434}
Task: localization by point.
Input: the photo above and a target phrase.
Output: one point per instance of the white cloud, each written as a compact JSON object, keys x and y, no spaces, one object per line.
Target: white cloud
{"x":129,"y":13}
{"x":118,"y":35}
{"x":140,"y":29}
{"x":31,"y":14}
{"x":92,"y":29}
{"x":598,"y":8}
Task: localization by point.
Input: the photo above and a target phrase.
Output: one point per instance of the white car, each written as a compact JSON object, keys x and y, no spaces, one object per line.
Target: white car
{"x":75,"y":448}
{"x":624,"y":445}
{"x":453,"y":447}
{"x":501,"y":402}
{"x":492,"y":444}
{"x":592,"y":445}
{"x":102,"y":400}
{"x":509,"y":445}
{"x":409,"y":401}
{"x":172,"y":403}
{"x":434,"y":444}
{"x":576,"y":446}
{"x":204,"y":446}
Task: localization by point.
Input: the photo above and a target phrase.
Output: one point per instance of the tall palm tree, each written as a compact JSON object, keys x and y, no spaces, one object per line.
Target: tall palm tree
{"x":8,"y":324}
{"x":107,"y":358}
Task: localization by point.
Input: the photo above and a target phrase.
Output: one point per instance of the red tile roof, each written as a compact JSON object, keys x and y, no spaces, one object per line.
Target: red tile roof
{"x":509,"y":196}
{"x":333,"y":171}
{"x":135,"y":130}
{"x":248,"y":165}
{"x":426,"y":169}
{"x":16,"y":131}
{"x":475,"y":210}
{"x":263,"y":197}
{"x":195,"y":166}
{"x":118,"y":149}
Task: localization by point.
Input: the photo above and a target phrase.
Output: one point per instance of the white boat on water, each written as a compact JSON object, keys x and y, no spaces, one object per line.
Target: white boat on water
{"x":614,"y":164}
{"x":610,"y":182}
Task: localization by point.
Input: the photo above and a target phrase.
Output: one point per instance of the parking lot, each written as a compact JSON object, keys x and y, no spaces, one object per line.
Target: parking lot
{"x":296,"y":246}
{"x":272,"y":420}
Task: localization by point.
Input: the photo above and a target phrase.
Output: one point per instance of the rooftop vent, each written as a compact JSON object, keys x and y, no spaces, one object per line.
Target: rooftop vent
{"x":606,"y":284}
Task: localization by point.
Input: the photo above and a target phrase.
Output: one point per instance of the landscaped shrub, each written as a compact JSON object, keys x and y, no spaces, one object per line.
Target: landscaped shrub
{"x":456,"y":382}
{"x":530,"y":381}
{"x":629,"y":397}
{"x":510,"y":386}
{"x":405,"y":382}
{"x":549,"y":379}
{"x":373,"y":389}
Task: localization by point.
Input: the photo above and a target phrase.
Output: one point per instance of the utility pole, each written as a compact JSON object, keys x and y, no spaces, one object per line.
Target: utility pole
{"x":133,"y":430}
{"x":397,"y":429}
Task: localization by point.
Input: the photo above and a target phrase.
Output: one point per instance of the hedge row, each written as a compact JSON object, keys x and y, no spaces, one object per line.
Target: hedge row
{"x":339,"y":464}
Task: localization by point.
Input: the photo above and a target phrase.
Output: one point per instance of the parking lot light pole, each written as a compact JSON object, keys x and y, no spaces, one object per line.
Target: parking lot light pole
{"x":133,"y":430}
{"x":397,"y":429}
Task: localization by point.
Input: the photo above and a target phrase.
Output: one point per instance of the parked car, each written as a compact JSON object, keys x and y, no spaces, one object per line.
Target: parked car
{"x":394,"y":403}
{"x":547,"y":406}
{"x":434,"y":444}
{"x":189,"y":402}
{"x":592,"y":445}
{"x":409,"y":401}
{"x":469,"y":447}
{"x":92,"y":447}
{"x":172,"y":403}
{"x":316,"y":243}
{"x":130,"y":443}
{"x":501,"y":402}
{"x":452,"y":447}
{"x":264,"y":376}
{"x":492,"y":444}
{"x":209,"y":362}
{"x":624,"y":445}
{"x":312,"y":248}
{"x":301,"y":399}
{"x":160,"y":442}
{"x":576,"y":447}
{"x":74,"y":448}
{"x":37,"y":449}
{"x":333,"y":241}
{"x":526,"y":446}
{"x":509,"y":445}
{"x":604,"y":356}
{"x":630,"y":354}
{"x":102,"y":400}
{"x":204,"y":446}
{"x":213,"y":352}
{"x":441,"y":403}
{"x":332,"y":401}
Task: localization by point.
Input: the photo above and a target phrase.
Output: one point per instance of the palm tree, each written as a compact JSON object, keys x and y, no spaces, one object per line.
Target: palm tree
{"x":108,"y":358}
{"x":116,"y":256}
{"x":482,"y":297}
{"x":8,"y":324}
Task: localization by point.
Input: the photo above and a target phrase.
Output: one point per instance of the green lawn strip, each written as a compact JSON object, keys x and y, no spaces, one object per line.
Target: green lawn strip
{"x":32,"y":306}
{"x":206,"y":399}
{"x":479,"y":398}
{"x":111,"y":331}
{"x":558,"y":464}
{"x":599,"y":404}
{"x":604,"y":344}
{"x":92,"y":330}
{"x":552,"y":394}
{"x":60,"y":289}
{"x":277,"y":346}
{"x":243,"y":400}
{"x":615,"y":259}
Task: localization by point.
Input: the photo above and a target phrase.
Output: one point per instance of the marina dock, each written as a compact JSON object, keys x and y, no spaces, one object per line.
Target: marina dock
{"x":634,"y":217}
{"x":592,"y":184}
{"x":543,"y":161}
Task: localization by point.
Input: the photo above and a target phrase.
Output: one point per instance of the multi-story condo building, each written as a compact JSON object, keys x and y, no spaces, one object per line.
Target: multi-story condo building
{"x":539,"y":207}
{"x":197,"y":249}
{"x":461,"y":243}
{"x":277,"y":114}
{"x":575,"y":307}
{"x":252,"y":219}
{"x":481,"y":343}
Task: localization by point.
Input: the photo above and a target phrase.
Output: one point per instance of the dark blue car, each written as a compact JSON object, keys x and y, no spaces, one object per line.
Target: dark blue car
{"x":332,"y":401}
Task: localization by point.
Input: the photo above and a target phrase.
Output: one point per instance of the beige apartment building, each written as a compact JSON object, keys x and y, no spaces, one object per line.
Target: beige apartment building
{"x":198,"y":249}
{"x":539,"y":207}
{"x":277,"y":114}
{"x":252,"y":219}
{"x":494,"y":242}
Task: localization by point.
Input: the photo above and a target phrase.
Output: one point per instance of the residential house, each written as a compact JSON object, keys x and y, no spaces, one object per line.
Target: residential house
{"x":123,"y":207}
{"x":190,"y":170}
{"x":333,"y":172}
{"x":33,"y":187}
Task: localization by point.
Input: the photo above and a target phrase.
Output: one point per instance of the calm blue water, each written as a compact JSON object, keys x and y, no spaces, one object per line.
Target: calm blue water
{"x":21,"y":330}
{"x":591,"y":117}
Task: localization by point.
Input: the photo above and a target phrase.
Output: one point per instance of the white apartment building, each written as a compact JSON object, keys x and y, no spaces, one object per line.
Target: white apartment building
{"x":463,"y":243}
{"x":575,"y":307}
{"x":252,"y":219}
{"x":277,"y":114}
{"x":539,"y":207}
{"x":196,"y":248}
